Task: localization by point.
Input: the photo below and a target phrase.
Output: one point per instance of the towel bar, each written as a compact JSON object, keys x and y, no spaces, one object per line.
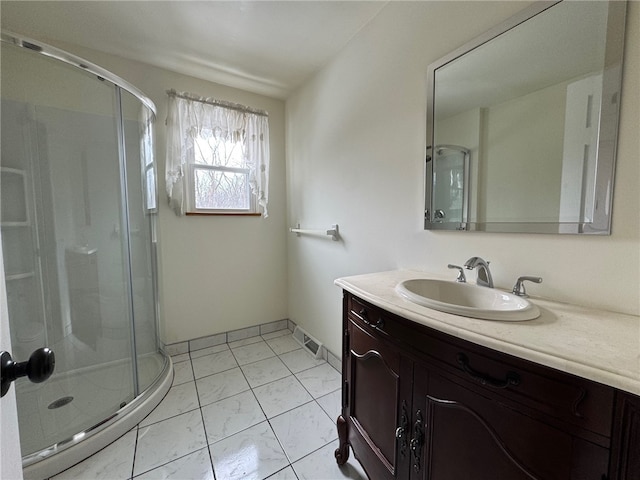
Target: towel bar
{"x":332,"y":232}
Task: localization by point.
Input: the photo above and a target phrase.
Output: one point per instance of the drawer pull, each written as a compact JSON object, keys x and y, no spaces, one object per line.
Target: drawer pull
{"x":512,"y":378}
{"x":365,"y":318}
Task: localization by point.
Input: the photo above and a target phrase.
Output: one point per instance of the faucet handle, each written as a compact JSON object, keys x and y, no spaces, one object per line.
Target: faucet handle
{"x":518,"y":288}
{"x":460,"y":278}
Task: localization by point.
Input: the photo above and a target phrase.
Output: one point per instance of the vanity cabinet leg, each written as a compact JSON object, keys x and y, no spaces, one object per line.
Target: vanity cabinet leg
{"x":342,"y":452}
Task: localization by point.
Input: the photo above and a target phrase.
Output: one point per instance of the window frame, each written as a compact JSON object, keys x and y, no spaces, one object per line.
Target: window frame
{"x":190,"y":186}
{"x":191,"y":191}
{"x":148,"y":165}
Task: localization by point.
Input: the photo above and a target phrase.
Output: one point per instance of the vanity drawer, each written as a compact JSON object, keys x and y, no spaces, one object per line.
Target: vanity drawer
{"x":569,"y":399}
{"x":369,"y":315}
{"x":377,"y":321}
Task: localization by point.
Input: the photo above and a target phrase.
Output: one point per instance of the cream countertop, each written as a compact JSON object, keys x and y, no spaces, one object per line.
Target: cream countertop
{"x":595,"y":344}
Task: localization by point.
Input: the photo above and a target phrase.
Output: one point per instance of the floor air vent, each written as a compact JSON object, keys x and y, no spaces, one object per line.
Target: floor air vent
{"x":310,"y":344}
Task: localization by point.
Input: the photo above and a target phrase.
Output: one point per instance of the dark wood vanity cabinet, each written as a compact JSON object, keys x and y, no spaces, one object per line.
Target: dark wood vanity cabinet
{"x":420,"y":404}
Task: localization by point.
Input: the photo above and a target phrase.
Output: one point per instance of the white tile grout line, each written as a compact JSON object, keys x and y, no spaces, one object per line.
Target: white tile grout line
{"x":135,"y":449}
{"x":204,"y":426}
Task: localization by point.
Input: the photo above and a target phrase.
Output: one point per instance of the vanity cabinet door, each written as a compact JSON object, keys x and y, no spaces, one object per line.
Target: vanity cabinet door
{"x":468,"y":433}
{"x":376,"y":410}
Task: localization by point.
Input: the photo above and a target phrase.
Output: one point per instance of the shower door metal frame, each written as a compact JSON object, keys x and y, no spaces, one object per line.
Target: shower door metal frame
{"x":53,"y":52}
{"x":125,"y":229}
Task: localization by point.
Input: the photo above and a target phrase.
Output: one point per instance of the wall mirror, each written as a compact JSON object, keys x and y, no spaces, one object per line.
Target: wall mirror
{"x":522,"y":123}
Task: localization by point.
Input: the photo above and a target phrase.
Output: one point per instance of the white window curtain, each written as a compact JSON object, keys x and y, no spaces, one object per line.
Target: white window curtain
{"x":190,"y":117}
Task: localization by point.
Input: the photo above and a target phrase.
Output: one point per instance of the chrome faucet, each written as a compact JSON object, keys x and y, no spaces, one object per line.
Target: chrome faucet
{"x":484,"y":274}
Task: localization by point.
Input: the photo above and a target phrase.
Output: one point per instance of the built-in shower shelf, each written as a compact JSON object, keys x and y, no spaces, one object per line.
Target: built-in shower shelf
{"x":19,"y":276}
{"x":14,"y":212}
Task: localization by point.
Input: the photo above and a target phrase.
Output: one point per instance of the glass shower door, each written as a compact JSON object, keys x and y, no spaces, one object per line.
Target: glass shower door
{"x":64,"y":245}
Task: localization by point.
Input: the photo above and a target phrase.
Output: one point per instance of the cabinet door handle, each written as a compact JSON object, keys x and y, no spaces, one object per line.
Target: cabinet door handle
{"x":417,"y":441}
{"x":401,"y":431}
{"x":512,"y":378}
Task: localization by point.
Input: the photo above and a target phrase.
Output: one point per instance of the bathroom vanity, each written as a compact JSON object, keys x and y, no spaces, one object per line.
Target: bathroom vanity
{"x":433,"y":395}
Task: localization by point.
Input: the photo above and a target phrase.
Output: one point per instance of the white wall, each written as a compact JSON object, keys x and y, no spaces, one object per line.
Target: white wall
{"x":536,"y":174}
{"x":216,"y":273}
{"x":355,"y":150}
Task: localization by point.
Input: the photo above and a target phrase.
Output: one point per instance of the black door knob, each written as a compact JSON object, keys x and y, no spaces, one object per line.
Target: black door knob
{"x":38,"y":368}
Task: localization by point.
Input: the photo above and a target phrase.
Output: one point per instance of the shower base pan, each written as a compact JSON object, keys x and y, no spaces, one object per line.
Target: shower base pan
{"x":57,"y":458}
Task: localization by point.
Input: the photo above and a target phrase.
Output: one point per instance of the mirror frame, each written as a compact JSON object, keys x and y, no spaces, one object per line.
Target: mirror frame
{"x":607,"y":135}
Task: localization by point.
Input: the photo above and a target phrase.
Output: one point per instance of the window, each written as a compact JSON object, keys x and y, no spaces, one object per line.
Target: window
{"x":219,"y":174}
{"x":217,"y":157}
{"x":148,"y":165}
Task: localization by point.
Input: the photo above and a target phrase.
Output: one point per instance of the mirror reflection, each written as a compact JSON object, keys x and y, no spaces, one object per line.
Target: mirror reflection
{"x":522,"y":124}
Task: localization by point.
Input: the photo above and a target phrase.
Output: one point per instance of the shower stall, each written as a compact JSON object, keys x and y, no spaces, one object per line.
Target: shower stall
{"x":451,"y":184}
{"x":78,"y":218}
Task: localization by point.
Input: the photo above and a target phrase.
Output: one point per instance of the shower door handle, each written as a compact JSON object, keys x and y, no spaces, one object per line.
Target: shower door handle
{"x":38,"y":368}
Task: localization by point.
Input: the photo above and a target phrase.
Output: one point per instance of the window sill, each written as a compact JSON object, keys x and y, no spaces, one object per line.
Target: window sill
{"x":222,"y":214}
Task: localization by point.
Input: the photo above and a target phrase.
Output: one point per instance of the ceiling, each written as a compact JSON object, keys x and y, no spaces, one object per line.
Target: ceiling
{"x":266,"y":47}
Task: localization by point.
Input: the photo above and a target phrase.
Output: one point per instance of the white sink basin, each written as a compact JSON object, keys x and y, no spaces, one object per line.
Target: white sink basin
{"x":468,"y":300}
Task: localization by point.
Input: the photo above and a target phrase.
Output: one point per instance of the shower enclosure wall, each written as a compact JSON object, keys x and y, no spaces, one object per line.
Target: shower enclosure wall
{"x":78,"y":215}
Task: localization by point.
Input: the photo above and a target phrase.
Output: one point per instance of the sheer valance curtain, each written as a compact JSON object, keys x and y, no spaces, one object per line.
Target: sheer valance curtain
{"x":190,"y":118}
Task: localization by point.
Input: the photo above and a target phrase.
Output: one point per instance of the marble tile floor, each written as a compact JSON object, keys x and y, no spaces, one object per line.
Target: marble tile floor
{"x":254,"y":409}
